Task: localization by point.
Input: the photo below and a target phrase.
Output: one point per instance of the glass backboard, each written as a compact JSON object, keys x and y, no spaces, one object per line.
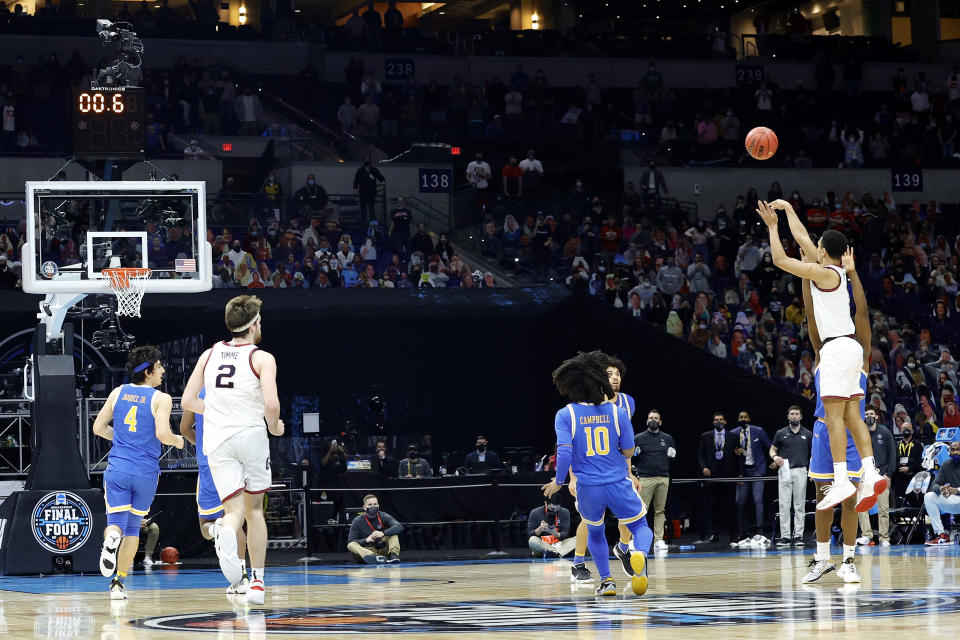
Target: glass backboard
{"x":75,"y":230}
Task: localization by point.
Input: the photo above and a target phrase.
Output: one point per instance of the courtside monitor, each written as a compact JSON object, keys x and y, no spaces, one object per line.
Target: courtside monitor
{"x":75,"y":230}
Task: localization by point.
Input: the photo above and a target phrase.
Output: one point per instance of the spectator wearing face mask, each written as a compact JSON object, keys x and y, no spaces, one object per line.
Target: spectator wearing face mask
{"x":944,"y":495}
{"x":8,"y":278}
{"x":670,"y":278}
{"x":374,"y":535}
{"x":481,"y":459}
{"x":654,"y":451}
{"x":909,"y":458}
{"x":885,"y":457}
{"x":717,"y":460}
{"x":194,"y":152}
{"x":312,"y":197}
{"x":791,"y":453}
{"x":548,"y":528}
{"x":748,"y":257}
{"x":753,"y":445}
{"x":413,"y":466}
{"x":271,"y":188}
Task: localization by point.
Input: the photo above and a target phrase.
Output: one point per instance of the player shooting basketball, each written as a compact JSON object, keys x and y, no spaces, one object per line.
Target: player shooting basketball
{"x":141,"y":421}
{"x":821,"y":461}
{"x":241,"y":394}
{"x":841,"y":357}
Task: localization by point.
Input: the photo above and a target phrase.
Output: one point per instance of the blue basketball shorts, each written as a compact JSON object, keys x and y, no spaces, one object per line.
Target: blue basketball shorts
{"x":209,"y":506}
{"x":128,"y":498}
{"x":821,"y":459}
{"x":620,"y":497}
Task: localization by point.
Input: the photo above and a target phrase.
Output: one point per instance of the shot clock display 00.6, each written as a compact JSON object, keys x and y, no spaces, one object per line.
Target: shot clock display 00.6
{"x":108,"y":122}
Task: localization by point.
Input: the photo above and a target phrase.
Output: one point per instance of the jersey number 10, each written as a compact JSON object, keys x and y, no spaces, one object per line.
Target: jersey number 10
{"x":598,"y":441}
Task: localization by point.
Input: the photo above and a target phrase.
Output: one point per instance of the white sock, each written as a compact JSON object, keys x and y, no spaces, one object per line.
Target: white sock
{"x":840,"y":473}
{"x":257,"y":574}
{"x":207,"y":529}
{"x":823,"y":551}
{"x":869,"y":466}
{"x":849,"y":551}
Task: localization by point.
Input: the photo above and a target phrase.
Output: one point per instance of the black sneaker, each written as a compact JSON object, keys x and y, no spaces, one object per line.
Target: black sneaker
{"x":372,"y":558}
{"x":624,"y":558}
{"x":393,"y":558}
{"x":783,"y":542}
{"x":798,"y":541}
{"x":580,"y":573}
{"x":607,"y":588}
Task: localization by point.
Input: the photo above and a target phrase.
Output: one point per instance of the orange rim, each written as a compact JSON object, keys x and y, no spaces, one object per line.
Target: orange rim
{"x":120,"y":277}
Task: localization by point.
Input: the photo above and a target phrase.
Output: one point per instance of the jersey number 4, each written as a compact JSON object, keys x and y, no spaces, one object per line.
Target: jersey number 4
{"x":223,"y":379}
{"x":598,"y":441}
{"x":131,"y":419}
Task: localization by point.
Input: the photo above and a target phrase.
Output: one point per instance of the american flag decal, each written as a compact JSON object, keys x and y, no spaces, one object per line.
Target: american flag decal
{"x":182,"y":265}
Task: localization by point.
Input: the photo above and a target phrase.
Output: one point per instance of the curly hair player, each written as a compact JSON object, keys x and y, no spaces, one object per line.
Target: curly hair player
{"x":586,"y":428}
{"x":841,"y":356}
{"x":579,"y":573}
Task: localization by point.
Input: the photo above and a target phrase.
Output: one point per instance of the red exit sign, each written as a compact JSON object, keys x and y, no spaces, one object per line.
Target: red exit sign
{"x":227,"y":146}
{"x":454,"y":151}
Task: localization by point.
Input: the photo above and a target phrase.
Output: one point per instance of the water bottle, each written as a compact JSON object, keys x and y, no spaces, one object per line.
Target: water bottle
{"x":443,"y":470}
{"x":686,"y":547}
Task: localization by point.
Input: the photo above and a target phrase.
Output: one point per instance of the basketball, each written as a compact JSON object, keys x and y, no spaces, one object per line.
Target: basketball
{"x":761,"y":143}
{"x":63,"y":542}
{"x":169,"y":555}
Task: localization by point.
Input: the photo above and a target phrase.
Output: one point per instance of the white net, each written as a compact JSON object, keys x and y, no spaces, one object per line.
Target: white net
{"x":129,"y":286}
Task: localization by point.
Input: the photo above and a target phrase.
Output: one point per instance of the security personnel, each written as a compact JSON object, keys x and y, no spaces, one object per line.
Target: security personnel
{"x":651,"y":460}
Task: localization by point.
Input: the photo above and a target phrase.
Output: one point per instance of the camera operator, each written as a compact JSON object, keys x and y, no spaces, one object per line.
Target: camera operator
{"x":549,"y":529}
{"x":333,"y":465}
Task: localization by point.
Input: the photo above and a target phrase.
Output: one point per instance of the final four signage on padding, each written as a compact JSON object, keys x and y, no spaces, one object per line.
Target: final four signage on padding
{"x":61,"y":522}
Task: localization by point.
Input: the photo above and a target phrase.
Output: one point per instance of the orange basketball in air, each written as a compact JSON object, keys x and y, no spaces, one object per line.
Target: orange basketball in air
{"x":169,"y":555}
{"x":761,"y":143}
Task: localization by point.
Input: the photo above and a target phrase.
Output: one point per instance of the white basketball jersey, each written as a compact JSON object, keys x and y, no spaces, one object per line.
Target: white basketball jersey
{"x":234,"y":397}
{"x":831,"y":307}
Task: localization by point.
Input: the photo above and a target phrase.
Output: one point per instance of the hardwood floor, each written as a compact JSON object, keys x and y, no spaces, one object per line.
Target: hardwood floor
{"x":751,"y":595}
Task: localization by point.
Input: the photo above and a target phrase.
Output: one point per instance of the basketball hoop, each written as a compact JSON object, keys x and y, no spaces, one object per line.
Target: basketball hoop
{"x":129,"y":285}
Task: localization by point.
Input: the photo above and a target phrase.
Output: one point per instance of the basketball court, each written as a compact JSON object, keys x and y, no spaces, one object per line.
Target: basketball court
{"x":905,"y":590}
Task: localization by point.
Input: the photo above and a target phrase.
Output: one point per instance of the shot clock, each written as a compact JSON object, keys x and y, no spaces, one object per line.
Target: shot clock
{"x":108,"y":122}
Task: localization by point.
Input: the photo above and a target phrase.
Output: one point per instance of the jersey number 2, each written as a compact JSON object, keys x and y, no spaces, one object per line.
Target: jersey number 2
{"x":598,"y":441}
{"x":223,"y":380}
{"x":131,"y":419}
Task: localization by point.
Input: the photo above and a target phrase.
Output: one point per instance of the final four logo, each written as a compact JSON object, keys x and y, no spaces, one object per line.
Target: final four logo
{"x":61,"y":522}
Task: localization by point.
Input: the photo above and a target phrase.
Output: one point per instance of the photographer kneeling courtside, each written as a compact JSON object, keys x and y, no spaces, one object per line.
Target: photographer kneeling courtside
{"x":374,"y":535}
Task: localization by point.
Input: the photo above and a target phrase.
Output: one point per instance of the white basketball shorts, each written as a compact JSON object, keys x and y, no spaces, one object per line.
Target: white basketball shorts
{"x":841,"y":361}
{"x":242,"y":463}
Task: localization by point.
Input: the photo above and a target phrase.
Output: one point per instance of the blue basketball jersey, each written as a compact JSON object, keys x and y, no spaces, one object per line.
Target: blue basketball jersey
{"x":597,"y":433}
{"x":818,"y":412}
{"x":135,"y":449}
{"x":625,"y":401}
{"x":198,"y":426}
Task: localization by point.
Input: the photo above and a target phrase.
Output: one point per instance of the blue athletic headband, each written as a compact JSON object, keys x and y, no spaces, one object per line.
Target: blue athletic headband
{"x":143,"y":367}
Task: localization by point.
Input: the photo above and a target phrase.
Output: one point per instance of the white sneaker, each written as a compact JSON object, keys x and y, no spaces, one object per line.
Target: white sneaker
{"x":884,"y":543}
{"x":255,"y":592}
{"x":108,"y":554}
{"x":226,"y":546}
{"x":818,"y":568}
{"x":239,"y":587}
{"x":660,"y":545}
{"x":148,"y":561}
{"x":864,"y":541}
{"x":848,"y":572}
{"x":117,"y":590}
{"x":836,"y":493}
{"x":871,"y":485}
